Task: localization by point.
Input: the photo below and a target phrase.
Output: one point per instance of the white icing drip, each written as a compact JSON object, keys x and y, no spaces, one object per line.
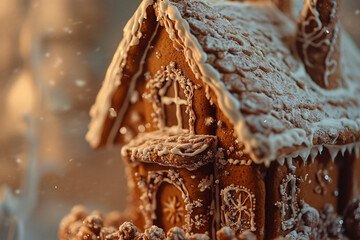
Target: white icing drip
{"x":197,"y":61}
{"x":281,"y":161}
{"x":99,"y":110}
{"x":179,"y":31}
{"x":314,"y":151}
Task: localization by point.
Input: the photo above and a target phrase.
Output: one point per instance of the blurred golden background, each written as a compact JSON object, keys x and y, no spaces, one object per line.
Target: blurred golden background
{"x":53,"y":58}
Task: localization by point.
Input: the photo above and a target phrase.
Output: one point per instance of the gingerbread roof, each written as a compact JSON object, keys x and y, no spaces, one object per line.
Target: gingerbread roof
{"x":244,"y":52}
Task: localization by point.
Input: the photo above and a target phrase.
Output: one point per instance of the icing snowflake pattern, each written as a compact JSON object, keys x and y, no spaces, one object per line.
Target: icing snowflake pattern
{"x":289,"y":204}
{"x":149,"y":186}
{"x":174,"y":210}
{"x":238,"y":208}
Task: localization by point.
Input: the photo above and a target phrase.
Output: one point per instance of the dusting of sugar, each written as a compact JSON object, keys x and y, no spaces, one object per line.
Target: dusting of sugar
{"x":114,"y":74}
{"x":313,"y":114}
{"x":170,"y":142}
{"x":289,"y":203}
{"x":158,"y":55}
{"x":206,"y":183}
{"x":209,"y":121}
{"x":184,"y":26}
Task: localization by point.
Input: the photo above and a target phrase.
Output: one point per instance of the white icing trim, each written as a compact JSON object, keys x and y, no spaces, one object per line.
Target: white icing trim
{"x":311,"y":39}
{"x":179,"y":31}
{"x":235,"y":209}
{"x":289,"y":204}
{"x":314,"y":151}
{"x":149,"y":186}
{"x":99,"y":110}
{"x":157,"y":89}
{"x":117,"y":124}
{"x":196,"y":58}
{"x":169,"y":141}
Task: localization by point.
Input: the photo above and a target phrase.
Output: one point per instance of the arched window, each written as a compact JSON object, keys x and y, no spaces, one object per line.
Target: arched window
{"x":169,"y":89}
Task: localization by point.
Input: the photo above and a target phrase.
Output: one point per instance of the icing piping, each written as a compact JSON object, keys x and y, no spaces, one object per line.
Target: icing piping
{"x":238,"y":208}
{"x":179,"y":32}
{"x":149,"y":187}
{"x":99,"y":110}
{"x":176,"y":26}
{"x":312,"y":38}
{"x":289,"y":203}
{"x":168,"y":141}
{"x":130,"y":92}
{"x":158,"y":87}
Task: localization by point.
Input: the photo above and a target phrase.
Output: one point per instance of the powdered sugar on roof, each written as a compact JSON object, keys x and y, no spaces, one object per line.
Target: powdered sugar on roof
{"x":243,"y":51}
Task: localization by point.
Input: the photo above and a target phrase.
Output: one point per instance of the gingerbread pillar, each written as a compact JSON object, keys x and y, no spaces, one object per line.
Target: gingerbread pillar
{"x":350,"y":179}
{"x":318,"y":42}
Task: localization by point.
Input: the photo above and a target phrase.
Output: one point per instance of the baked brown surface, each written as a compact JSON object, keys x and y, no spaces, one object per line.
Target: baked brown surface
{"x":228,"y":133}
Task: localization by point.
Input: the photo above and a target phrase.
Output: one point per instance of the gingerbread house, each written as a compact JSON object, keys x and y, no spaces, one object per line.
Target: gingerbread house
{"x":239,"y":114}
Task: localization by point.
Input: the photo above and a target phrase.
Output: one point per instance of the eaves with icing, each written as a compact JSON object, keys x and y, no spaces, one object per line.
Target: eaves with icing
{"x":244,"y":53}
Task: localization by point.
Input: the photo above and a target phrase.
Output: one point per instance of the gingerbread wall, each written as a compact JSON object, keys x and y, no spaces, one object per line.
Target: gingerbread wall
{"x":315,"y":184}
{"x":243,"y":191}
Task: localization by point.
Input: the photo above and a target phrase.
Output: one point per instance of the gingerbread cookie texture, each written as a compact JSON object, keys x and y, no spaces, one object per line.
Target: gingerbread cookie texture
{"x":237,"y":120}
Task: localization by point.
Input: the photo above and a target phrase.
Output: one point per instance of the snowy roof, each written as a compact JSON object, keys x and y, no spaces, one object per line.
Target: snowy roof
{"x":243,"y":51}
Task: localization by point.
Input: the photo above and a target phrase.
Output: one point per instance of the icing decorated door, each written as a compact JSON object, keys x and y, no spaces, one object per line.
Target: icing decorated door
{"x":170,"y":207}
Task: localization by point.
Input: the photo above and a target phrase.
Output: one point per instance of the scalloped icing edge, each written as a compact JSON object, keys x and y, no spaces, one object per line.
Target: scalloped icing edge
{"x":196,"y":59}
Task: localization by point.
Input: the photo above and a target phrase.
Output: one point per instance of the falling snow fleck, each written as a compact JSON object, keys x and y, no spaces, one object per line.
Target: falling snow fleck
{"x":18,"y":160}
{"x":67,"y":30}
{"x":80,"y":82}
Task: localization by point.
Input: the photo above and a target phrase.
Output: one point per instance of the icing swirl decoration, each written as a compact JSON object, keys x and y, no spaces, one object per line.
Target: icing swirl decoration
{"x":318,"y":42}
